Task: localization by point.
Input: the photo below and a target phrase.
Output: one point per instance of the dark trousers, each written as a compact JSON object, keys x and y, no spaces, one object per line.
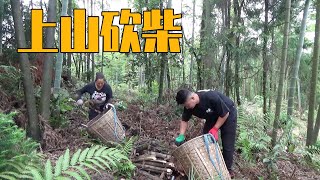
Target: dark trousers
{"x":228,"y":136}
{"x":92,"y":114}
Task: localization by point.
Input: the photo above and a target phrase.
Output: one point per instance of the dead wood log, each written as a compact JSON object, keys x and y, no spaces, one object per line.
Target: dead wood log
{"x":159,"y":163}
{"x":148,"y":175}
{"x":154,"y":169}
{"x":145,"y":158}
{"x":159,"y":155}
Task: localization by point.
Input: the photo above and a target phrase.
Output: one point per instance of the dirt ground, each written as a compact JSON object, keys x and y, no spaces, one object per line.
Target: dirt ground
{"x":149,"y":123}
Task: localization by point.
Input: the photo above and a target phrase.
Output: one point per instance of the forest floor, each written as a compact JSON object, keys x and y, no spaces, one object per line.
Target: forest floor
{"x":151,"y":122}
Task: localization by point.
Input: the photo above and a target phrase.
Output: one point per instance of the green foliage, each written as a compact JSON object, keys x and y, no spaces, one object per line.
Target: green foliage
{"x":125,"y":167}
{"x":11,"y":80}
{"x":252,"y":138}
{"x":14,"y":146}
{"x":95,"y":158}
{"x":312,"y":155}
{"x":60,"y":104}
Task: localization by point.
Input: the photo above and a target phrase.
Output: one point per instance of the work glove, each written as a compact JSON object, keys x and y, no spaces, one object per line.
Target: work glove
{"x":179,"y":140}
{"x":214,"y":132}
{"x":79,"y":102}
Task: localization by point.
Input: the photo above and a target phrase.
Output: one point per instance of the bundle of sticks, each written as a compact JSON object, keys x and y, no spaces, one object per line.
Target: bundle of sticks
{"x":154,"y":161}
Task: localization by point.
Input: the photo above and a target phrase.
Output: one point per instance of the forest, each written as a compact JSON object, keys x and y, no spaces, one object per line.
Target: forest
{"x":262,"y":54}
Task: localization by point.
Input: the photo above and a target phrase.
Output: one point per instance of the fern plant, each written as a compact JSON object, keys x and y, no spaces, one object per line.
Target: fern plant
{"x":251,"y":138}
{"x":14,"y":146}
{"x":124,"y":167}
{"x":95,"y":158}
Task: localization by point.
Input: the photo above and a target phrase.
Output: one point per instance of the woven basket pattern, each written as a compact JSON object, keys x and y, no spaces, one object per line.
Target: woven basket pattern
{"x":103,"y":127}
{"x":193,"y":154}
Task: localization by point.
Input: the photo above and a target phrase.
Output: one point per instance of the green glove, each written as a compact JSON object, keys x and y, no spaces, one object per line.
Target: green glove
{"x":180,"y":139}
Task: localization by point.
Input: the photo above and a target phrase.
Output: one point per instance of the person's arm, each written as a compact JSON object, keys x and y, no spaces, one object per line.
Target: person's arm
{"x":183,"y":127}
{"x":82,"y":91}
{"x":221,"y":121}
{"x":109,"y":95}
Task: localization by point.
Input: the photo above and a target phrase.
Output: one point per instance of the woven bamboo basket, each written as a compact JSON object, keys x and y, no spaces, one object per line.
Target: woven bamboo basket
{"x":106,"y":128}
{"x":194,"y":158}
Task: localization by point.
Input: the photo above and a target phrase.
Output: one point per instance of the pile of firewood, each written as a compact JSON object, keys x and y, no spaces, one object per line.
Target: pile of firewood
{"x":153,"y":160}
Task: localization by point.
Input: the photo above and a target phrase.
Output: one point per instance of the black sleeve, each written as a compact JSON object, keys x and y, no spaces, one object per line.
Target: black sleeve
{"x":186,"y":115}
{"x":108,"y":92}
{"x":218,"y":104}
{"x":83,"y":90}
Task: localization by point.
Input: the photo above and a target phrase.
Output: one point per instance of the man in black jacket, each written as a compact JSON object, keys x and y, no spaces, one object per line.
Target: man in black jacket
{"x":219,"y":112}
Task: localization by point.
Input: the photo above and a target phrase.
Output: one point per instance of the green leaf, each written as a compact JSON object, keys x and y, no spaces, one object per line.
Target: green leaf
{"x":82,"y":171}
{"x":66,"y":160}
{"x":74,"y":175}
{"x":95,"y":162}
{"x":83,"y":155}
{"x":98,"y":153}
{"x":102,"y":161}
{"x":25,"y":177}
{"x":62,"y":178}
{"x":89,"y":166}
{"x":17,"y":166}
{"x":48,"y":170}
{"x":75,"y":157}
{"x":110,"y":160}
{"x":35,"y":173}
{"x":16,"y":175}
{"x":92,"y":151}
{"x":58,"y":168}
{"x":7,"y":177}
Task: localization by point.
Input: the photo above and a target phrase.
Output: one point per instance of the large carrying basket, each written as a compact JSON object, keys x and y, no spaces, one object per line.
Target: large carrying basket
{"x":107,"y":127}
{"x":195,"y":159}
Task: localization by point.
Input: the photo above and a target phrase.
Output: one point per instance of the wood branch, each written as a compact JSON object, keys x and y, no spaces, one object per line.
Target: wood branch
{"x":158,"y":163}
{"x":159,"y":155}
{"x":145,"y":158}
{"x":148,"y":175}
{"x":153,"y":168}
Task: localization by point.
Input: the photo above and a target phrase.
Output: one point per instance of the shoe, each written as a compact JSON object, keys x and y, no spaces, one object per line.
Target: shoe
{"x":232,"y":174}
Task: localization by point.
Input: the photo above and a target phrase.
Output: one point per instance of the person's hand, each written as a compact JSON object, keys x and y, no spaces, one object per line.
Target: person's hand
{"x":179,"y":140}
{"x":79,"y":102}
{"x":214,"y":132}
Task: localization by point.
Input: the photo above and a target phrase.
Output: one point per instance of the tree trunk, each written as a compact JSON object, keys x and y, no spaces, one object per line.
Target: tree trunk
{"x":88,"y":67}
{"x":69,"y":54}
{"x":163,"y":63}
{"x":92,"y":54}
{"x":282,"y":71}
{"x":228,"y":49}
{"x":264,"y":56}
{"x":192,"y":41}
{"x":58,"y":73}
{"x":295,"y":70}
{"x":33,"y":126}
{"x":316,"y":127}
{"x":237,"y":10}
{"x":1,"y":19}
{"x":314,"y":78}
{"x":48,"y":64}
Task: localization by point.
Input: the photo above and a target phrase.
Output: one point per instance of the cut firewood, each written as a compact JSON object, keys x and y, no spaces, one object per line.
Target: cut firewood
{"x":158,"y":163}
{"x":159,"y":155}
{"x":148,"y":175}
{"x":153,"y":168}
{"x":145,"y":158}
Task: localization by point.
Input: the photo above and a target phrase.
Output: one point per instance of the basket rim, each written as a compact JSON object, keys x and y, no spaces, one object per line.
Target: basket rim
{"x":99,"y":116}
{"x":179,"y":148}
